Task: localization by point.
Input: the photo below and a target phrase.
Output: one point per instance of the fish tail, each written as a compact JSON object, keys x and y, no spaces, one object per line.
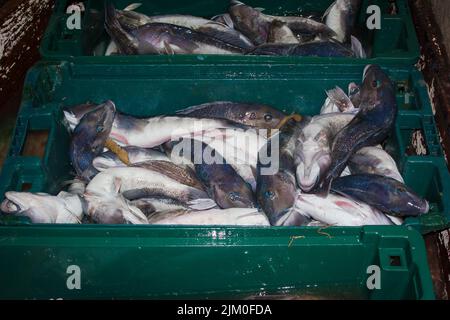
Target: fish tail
{"x":202,"y":204}
{"x":125,"y":42}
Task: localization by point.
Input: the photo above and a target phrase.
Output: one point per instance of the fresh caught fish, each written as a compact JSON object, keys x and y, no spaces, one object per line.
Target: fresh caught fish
{"x":335,"y":210}
{"x":89,"y":138}
{"x":44,"y":208}
{"x":386,"y":194}
{"x":341,"y":16}
{"x":276,"y":191}
{"x":158,"y":204}
{"x":137,"y":182}
{"x":310,"y":49}
{"x":163,"y":38}
{"x":250,"y":114}
{"x":150,"y":132}
{"x":312,"y":155}
{"x":112,"y":208}
{"x":370,"y":126}
{"x":221,"y":181}
{"x":279,"y":32}
{"x":226,"y":217}
{"x":221,"y":30}
{"x":109,"y":159}
{"x":255,"y":24}
{"x":374,"y":160}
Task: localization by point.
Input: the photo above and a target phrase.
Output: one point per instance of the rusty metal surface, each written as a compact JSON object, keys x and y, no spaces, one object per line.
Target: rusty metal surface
{"x":435,"y":66}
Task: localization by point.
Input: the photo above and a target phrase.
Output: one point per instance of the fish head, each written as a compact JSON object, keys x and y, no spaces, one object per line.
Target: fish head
{"x":73,"y":115}
{"x":233,"y":195}
{"x":98,"y":122}
{"x":276,"y":194}
{"x":375,"y":85}
{"x":112,"y":209}
{"x":40,"y":208}
{"x":402,"y":200}
{"x":249,"y":21}
{"x":261,"y":116}
{"x":313,"y":159}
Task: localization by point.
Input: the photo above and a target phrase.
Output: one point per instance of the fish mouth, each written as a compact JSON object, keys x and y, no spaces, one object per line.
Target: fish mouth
{"x":9,"y":206}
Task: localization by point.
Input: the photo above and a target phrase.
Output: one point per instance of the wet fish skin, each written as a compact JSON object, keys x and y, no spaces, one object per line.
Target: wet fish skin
{"x":279,"y":32}
{"x":312,"y":154}
{"x":309,"y":49}
{"x":89,"y":138}
{"x":341,"y":17}
{"x":230,"y":216}
{"x":374,"y":160}
{"x":222,"y":182}
{"x":250,"y":114}
{"x":163,"y":38}
{"x":44,"y":208}
{"x":276,"y":192}
{"x":109,"y":159}
{"x":336,"y":210}
{"x":370,"y":126}
{"x":386,"y":194}
{"x":255,"y":25}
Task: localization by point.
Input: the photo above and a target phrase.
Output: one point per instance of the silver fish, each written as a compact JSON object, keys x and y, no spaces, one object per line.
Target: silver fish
{"x":374,"y":160}
{"x":341,"y":16}
{"x":336,"y":210}
{"x":226,"y":217}
{"x":163,"y":38}
{"x":312,"y":155}
{"x":44,"y":208}
{"x":255,"y":25}
{"x":109,"y":159}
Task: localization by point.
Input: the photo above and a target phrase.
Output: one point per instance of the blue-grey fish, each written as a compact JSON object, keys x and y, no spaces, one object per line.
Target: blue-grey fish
{"x":256,"y":25}
{"x":89,"y":138}
{"x":276,"y":187}
{"x":250,"y":114}
{"x":386,"y":194}
{"x":370,"y":126}
{"x":163,"y":38}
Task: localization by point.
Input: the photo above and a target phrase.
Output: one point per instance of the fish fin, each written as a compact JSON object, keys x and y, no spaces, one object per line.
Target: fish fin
{"x":198,"y":107}
{"x":168,"y":49}
{"x":228,"y":21}
{"x":340,"y":98}
{"x":327,"y":12}
{"x":135,"y":216}
{"x":202,"y":204}
{"x":132,"y":6}
{"x":357,"y":47}
{"x":236,"y":2}
{"x":117,"y":184}
{"x":126,"y":43}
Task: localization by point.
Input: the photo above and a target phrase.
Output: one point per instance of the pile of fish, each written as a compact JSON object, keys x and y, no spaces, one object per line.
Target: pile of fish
{"x":230,"y":163}
{"x":243,"y":30}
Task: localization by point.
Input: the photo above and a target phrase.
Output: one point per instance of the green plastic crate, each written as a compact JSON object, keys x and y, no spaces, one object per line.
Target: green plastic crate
{"x":209,"y":261}
{"x":394,"y":43}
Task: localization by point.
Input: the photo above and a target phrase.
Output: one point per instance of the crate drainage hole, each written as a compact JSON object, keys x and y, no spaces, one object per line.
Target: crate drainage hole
{"x":395,"y":261}
{"x":35,"y":143}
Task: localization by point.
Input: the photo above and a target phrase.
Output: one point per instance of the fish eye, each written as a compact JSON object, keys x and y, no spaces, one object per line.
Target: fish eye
{"x":233,"y":195}
{"x":376,"y":83}
{"x":269,"y":195}
{"x":100,"y":128}
{"x":268,"y":117}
